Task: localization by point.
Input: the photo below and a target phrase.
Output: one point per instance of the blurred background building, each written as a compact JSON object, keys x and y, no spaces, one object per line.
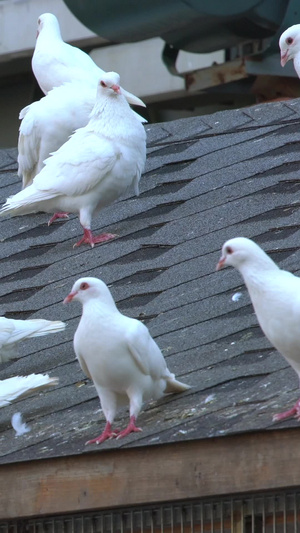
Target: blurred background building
{"x":230,"y":58}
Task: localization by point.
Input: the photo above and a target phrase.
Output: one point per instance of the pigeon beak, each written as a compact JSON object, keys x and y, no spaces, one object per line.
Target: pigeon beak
{"x":284,"y":57}
{"x":131,"y":99}
{"x":116,"y":88}
{"x":221,"y":263}
{"x":69,"y":298}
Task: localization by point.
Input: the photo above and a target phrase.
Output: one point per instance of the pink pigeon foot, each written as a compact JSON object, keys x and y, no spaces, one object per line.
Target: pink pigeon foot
{"x":131,"y":428}
{"x":56,"y":216}
{"x":295,"y":412}
{"x":89,"y":238}
{"x":107,"y":433}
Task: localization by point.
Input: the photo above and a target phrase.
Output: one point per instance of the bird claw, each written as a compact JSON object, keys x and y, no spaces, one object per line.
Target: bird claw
{"x":89,"y":238}
{"x":131,"y":428}
{"x":293,"y":412}
{"x":56,"y":216}
{"x":127,"y":431}
{"x":106,"y":434}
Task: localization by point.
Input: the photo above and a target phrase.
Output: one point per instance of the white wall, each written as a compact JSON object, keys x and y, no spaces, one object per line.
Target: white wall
{"x":142,"y":70}
{"x":18,"y":23}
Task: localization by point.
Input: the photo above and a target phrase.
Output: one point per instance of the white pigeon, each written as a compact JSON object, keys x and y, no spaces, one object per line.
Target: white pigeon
{"x":47,"y":124}
{"x":275,"y":295}
{"x":289,"y":44}
{"x":119,"y":355}
{"x":13,"y":331}
{"x":93,"y":168}
{"x":55,"y":62}
{"x":20,"y":386}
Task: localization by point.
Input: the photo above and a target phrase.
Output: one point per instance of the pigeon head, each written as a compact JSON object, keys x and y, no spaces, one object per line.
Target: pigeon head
{"x":289,"y":44}
{"x":86,"y":289}
{"x":49,"y":21}
{"x":236,"y":252}
{"x":110,"y":83}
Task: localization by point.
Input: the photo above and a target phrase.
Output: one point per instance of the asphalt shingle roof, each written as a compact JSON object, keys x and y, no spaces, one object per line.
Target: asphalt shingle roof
{"x":207,"y":179}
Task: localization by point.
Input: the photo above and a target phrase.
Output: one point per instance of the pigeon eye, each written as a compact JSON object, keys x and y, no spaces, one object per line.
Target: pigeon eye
{"x":84,"y":286}
{"x":103,"y":84}
{"x":229,"y":250}
{"x":289,"y":40}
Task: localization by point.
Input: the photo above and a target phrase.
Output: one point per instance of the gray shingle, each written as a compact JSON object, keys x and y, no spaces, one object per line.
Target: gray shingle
{"x":207,"y":179}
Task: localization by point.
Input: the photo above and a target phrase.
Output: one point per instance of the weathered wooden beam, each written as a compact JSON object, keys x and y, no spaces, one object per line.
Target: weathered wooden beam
{"x":215,"y":75}
{"x":170,"y":472}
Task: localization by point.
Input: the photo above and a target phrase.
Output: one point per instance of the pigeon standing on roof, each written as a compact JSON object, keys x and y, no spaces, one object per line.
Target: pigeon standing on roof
{"x":94,"y":167}
{"x":47,"y":124}
{"x":55,"y":62}
{"x":20,"y":386}
{"x":119,"y":355}
{"x":13,"y":331}
{"x":289,"y":44}
{"x":275,"y":295}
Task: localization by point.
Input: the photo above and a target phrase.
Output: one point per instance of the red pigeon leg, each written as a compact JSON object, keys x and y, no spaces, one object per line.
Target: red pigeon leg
{"x":131,"y":428}
{"x":56,"y":216}
{"x":89,"y":238}
{"x":107,"y":433}
{"x":294,"y":411}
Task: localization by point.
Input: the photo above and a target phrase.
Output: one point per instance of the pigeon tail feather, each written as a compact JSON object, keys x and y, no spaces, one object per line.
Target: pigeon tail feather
{"x":24,"y":201}
{"x":175,"y":386}
{"x":45,"y":327}
{"x":13,"y":331}
{"x":20,"y":386}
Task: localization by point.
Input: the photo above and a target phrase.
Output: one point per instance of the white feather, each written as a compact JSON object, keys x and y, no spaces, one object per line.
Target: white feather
{"x":18,"y":425}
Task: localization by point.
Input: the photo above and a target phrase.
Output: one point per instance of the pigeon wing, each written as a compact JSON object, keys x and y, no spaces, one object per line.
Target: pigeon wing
{"x":28,"y":144}
{"x":145,"y":352}
{"x":78,"y":166}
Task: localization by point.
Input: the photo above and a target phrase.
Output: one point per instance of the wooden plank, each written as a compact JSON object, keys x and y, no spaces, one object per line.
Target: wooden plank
{"x":195,"y":469}
{"x":204,"y":78}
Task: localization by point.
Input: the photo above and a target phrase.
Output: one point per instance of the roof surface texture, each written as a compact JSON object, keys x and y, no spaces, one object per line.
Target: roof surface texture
{"x":207,"y":179}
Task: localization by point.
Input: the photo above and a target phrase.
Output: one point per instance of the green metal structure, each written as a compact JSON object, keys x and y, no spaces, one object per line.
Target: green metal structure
{"x":192,"y":25}
{"x":248,"y":30}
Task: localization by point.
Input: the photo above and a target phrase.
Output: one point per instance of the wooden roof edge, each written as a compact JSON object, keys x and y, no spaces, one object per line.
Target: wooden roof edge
{"x":241,"y":463}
